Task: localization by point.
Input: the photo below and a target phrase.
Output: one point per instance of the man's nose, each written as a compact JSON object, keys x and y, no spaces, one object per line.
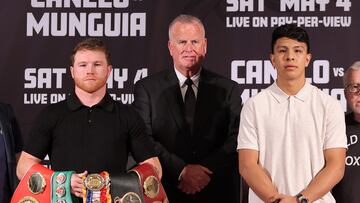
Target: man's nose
{"x":90,"y":69}
{"x":189,"y":46}
{"x":290,"y":56}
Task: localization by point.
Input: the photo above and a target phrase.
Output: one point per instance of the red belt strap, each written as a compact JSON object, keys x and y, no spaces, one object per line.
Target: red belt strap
{"x":35,"y":186}
{"x":152,"y":188}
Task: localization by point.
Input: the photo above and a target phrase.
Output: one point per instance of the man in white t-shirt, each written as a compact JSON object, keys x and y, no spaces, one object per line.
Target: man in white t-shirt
{"x":292,"y":140}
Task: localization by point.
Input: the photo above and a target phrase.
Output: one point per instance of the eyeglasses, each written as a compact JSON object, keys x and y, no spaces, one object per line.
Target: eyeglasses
{"x":353,"y":88}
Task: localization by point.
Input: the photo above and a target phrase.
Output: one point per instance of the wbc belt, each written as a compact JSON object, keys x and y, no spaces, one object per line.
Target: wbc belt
{"x":35,"y":186}
{"x":152,"y":188}
{"x":61,"y":192}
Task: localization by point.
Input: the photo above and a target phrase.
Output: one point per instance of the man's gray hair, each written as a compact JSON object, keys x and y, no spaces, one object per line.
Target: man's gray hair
{"x":185,"y":18}
{"x":353,"y":67}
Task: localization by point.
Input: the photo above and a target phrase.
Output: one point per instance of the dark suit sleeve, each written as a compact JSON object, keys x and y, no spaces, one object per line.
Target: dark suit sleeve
{"x":11,"y":128}
{"x":13,"y":141}
{"x":171,"y":163}
{"x":18,"y":143}
{"x":226,"y":155}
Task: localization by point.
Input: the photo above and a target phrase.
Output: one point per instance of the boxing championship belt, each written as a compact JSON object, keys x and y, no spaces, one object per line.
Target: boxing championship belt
{"x":152,"y":188}
{"x":96,"y":188}
{"x":35,"y":186}
{"x":125,"y":188}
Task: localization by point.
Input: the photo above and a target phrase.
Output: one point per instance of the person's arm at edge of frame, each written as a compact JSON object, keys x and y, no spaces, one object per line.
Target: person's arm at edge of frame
{"x":16,"y":133}
{"x":26,"y":160}
{"x":255,"y":176}
{"x":155,"y":162}
{"x":329,"y":176}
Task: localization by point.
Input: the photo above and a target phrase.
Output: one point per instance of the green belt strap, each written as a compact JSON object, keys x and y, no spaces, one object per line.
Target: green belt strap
{"x":61,"y":189}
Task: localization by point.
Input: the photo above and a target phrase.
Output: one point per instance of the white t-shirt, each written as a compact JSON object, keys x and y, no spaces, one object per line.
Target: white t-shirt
{"x":290,"y":133}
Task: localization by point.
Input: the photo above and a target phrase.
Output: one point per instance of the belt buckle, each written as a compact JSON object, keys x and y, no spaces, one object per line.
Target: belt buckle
{"x":28,"y":199}
{"x":129,"y":197}
{"x":94,"y":182}
{"x":151,"y":186}
{"x":36,"y":183}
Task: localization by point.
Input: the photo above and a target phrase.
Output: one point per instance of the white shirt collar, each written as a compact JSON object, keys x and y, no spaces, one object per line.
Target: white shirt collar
{"x":281,"y":96}
{"x":195,"y":78}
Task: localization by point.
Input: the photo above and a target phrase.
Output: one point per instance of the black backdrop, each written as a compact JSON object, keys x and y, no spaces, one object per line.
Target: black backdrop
{"x":37,"y":37}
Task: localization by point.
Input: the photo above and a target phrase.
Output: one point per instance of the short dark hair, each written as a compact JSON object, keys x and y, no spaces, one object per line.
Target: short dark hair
{"x":290,"y":31}
{"x":91,"y":44}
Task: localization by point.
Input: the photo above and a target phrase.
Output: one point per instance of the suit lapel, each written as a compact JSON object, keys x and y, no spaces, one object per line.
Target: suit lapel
{"x":175,"y":101}
{"x":202,"y":101}
{"x":174,"y":98}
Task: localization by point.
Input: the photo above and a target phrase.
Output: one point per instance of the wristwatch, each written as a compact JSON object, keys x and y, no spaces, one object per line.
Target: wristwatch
{"x":301,"y":198}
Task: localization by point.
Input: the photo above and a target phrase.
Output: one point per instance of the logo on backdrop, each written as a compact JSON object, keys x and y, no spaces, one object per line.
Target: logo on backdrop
{"x":352,"y":160}
{"x":84,"y":18}
{"x":40,"y":80}
{"x":261,"y":72}
{"x":302,"y":13}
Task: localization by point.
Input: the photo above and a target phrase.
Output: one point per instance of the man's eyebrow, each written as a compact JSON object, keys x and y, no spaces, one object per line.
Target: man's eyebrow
{"x":299,"y":46}
{"x":295,"y":47}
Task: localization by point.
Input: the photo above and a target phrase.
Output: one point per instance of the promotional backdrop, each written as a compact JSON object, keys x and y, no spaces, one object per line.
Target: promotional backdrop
{"x":37,"y":37}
